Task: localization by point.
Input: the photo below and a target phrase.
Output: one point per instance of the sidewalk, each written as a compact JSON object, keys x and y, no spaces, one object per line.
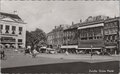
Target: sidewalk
{"x":77,"y":57}
{"x":19,"y":59}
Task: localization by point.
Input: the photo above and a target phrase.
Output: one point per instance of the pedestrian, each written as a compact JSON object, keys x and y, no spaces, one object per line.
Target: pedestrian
{"x":27,"y":50}
{"x":34,"y":54}
{"x":2,"y":52}
{"x":66,"y":53}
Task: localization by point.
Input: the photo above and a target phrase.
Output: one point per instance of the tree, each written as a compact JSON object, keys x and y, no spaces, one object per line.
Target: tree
{"x":28,"y":38}
{"x":37,"y":37}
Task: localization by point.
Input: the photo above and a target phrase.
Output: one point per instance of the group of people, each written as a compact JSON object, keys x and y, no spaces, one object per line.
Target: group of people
{"x":31,"y":50}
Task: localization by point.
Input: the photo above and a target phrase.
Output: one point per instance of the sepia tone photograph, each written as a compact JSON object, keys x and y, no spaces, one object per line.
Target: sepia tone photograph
{"x":59,"y":36}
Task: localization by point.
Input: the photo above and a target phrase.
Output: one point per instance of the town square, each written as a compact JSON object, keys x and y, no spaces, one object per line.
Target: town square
{"x":60,"y":37}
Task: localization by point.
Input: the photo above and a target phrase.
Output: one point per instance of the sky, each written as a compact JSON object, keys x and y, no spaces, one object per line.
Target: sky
{"x":47,"y":14}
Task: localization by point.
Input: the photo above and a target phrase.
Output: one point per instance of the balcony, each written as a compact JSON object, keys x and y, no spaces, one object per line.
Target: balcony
{"x":7,"y":41}
{"x":7,"y":34}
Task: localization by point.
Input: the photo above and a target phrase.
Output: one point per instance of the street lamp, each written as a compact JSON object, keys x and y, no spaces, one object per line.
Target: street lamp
{"x":91,"y":51}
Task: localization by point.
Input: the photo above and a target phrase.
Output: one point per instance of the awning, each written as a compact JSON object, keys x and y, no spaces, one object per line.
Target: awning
{"x":70,"y":46}
{"x":89,"y":48}
{"x":7,"y":44}
{"x":21,"y":45}
{"x":90,"y":26}
{"x":43,"y":47}
{"x":50,"y":49}
{"x":110,"y":47}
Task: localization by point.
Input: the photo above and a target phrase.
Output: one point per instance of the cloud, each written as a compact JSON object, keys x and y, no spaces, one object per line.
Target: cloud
{"x":47,"y":14}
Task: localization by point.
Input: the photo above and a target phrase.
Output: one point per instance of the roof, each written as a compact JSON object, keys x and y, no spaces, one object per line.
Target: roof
{"x":91,"y":26}
{"x":72,"y":27}
{"x":15,"y":17}
{"x":112,"y":19}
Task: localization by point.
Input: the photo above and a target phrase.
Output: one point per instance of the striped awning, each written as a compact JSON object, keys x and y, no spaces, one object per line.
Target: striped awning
{"x":90,"y":26}
{"x":110,"y":47}
{"x":89,"y":48}
{"x":69,"y":46}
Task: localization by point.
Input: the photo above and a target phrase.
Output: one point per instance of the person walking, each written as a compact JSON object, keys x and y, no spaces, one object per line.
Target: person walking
{"x":66,"y":52}
{"x":2,"y":52}
{"x":27,"y":50}
{"x":34,"y":54}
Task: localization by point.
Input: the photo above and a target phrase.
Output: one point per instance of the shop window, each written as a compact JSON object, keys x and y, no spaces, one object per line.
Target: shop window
{"x":90,"y":38}
{"x":99,"y":37}
{"x":83,"y":38}
{"x":19,"y":40}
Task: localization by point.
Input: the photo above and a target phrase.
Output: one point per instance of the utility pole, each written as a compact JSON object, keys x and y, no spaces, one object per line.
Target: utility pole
{"x":91,"y":51}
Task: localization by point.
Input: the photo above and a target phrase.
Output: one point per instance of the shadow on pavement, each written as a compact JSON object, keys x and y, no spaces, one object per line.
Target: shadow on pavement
{"x":111,"y":67}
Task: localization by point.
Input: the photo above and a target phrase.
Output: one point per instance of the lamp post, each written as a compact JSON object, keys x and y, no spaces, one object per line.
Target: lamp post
{"x":91,"y":51}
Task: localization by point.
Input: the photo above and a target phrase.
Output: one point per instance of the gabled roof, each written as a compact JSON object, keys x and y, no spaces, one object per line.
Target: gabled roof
{"x":14,"y":17}
{"x":10,"y":15}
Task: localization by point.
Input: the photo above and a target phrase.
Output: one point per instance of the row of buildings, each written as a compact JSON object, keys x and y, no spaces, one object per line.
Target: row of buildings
{"x":12,"y":30}
{"x":99,"y":32}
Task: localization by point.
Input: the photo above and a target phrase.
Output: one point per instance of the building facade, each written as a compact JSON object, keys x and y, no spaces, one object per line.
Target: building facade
{"x":70,"y":38}
{"x":12,"y":31}
{"x":99,"y":33}
{"x":111,"y":35}
{"x":55,"y":37}
{"x":91,"y":34}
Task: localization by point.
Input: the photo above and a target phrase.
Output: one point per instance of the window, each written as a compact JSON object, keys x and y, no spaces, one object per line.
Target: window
{"x":1,"y":26}
{"x":7,"y":27}
{"x":19,"y":40}
{"x":84,"y":38}
{"x":20,"y":28}
{"x":90,"y":38}
{"x":13,"y":28}
{"x":115,"y":24}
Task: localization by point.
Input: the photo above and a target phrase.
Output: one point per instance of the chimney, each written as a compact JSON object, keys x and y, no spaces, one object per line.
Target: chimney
{"x":80,"y":21}
{"x":60,"y":25}
{"x":72,"y":23}
{"x":15,"y":12}
{"x":55,"y":27}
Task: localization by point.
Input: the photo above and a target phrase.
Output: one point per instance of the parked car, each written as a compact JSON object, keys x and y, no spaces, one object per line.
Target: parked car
{"x":43,"y":49}
{"x":51,"y":51}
